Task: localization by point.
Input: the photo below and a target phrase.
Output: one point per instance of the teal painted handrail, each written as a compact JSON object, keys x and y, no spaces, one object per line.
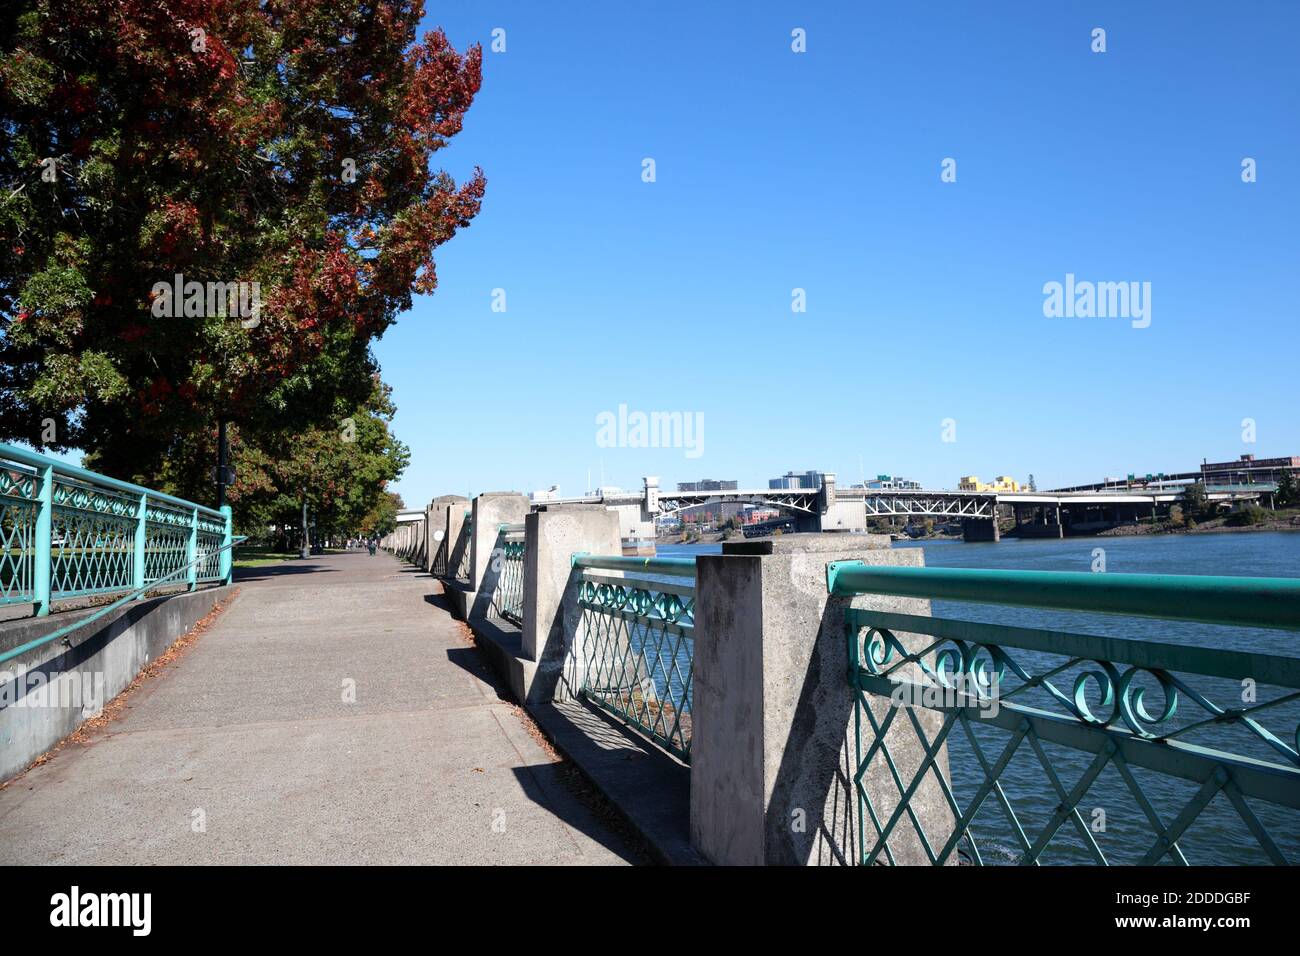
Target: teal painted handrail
{"x":125,"y":599}
{"x":37,"y":460}
{"x":1221,"y":720}
{"x":1208,"y":599}
{"x":674,"y":567}
{"x":67,"y":532}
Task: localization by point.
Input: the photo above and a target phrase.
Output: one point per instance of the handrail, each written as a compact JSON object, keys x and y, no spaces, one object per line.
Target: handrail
{"x":674,"y":567}
{"x":1208,"y":599}
{"x":36,"y":460}
{"x":91,"y":618}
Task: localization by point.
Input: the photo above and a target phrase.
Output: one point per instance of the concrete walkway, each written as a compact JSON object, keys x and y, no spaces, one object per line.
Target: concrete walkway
{"x":247,"y":751}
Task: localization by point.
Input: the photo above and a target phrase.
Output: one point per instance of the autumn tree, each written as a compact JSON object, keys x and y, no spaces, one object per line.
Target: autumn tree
{"x":286,"y":143}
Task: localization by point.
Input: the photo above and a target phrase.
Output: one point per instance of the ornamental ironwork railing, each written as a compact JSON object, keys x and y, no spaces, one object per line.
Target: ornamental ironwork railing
{"x":66,"y":532}
{"x":635,"y":648}
{"x":508,"y":566}
{"x":1054,"y":746}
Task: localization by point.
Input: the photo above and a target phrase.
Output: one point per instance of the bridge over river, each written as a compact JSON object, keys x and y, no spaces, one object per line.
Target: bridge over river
{"x":832,"y":508}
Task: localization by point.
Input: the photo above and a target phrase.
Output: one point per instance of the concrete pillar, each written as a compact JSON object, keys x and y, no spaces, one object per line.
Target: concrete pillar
{"x":842,"y":516}
{"x":553,"y":534}
{"x":443,"y":537}
{"x":773,"y":753}
{"x":632,"y":524}
{"x":491,"y":510}
{"x":426,"y":542}
{"x":650,"y":503}
{"x":980,"y":529}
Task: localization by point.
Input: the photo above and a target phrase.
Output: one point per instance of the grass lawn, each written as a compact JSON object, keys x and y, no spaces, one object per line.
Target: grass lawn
{"x":259,"y":557}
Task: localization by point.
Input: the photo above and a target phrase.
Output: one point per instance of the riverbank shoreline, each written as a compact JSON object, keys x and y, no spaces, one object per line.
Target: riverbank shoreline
{"x":1290,"y":522}
{"x":1124,"y":531}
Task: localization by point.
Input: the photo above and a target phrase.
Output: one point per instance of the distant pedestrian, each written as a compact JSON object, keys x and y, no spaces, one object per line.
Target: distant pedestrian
{"x":371,"y":546}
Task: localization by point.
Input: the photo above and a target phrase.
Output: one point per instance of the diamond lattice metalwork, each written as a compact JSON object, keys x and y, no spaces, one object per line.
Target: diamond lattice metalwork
{"x":93,"y":540}
{"x":17,"y":530}
{"x":636,"y":651}
{"x":508,"y":565}
{"x":167,"y":535}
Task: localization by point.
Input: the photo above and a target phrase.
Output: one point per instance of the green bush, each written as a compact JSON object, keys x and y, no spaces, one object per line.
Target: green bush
{"x":1250,"y":515}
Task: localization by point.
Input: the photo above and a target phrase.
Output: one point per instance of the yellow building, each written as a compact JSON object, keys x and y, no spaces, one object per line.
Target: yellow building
{"x":1000,"y":483}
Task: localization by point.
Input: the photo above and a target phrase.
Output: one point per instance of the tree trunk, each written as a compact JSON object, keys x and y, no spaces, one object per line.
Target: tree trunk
{"x":305,"y":552}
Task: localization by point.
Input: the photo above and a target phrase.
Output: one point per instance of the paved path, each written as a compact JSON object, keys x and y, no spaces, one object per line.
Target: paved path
{"x":250,"y":733}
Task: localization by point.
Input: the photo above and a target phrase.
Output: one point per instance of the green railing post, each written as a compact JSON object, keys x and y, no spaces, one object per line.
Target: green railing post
{"x":44,"y":533}
{"x":141,"y":536}
{"x":226,"y":565}
{"x":192,"y":551}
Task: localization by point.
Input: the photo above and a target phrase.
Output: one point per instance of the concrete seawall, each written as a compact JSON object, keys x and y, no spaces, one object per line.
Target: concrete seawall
{"x":50,"y":691}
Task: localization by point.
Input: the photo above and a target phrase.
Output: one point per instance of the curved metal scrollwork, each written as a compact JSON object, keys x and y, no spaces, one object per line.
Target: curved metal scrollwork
{"x":1127,"y":708}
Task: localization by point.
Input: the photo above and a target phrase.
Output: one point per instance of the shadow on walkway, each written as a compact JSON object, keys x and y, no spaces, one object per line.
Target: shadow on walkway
{"x":285,"y":569}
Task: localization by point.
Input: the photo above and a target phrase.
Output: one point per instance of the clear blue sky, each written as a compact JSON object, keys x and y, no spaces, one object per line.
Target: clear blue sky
{"x":821,"y":170}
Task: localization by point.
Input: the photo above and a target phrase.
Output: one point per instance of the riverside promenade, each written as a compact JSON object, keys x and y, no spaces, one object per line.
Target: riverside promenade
{"x":334,"y":712}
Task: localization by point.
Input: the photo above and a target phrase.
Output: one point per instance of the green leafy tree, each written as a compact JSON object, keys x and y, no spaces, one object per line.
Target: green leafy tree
{"x":341,"y":471}
{"x":382,"y":517}
{"x":1287,"y":494}
{"x":1195,"y":503}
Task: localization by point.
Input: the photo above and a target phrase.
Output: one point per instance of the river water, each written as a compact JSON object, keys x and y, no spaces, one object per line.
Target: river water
{"x":1111,"y":813}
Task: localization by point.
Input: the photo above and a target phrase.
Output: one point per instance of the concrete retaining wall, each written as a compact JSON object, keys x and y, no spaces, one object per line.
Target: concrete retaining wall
{"x":47,"y":693}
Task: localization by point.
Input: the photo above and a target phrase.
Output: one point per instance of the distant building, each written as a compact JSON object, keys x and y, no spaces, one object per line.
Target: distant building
{"x":708,"y":484}
{"x":717,"y":511}
{"x":1000,"y":483}
{"x":1249,"y":470}
{"x":890,"y":483}
{"x":794,"y":480}
{"x":550,"y":494}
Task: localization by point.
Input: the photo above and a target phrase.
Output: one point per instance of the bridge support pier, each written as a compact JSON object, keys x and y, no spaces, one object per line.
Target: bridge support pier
{"x":774,"y":752}
{"x":980,"y":529}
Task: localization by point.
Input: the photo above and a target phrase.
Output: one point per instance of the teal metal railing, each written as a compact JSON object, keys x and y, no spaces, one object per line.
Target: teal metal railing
{"x":1118,"y":778}
{"x":196,"y":563}
{"x":508,"y":566}
{"x":66,"y":532}
{"x":634,"y":651}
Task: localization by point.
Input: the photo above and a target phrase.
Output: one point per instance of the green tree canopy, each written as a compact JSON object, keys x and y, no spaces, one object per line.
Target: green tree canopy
{"x":341,"y":471}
